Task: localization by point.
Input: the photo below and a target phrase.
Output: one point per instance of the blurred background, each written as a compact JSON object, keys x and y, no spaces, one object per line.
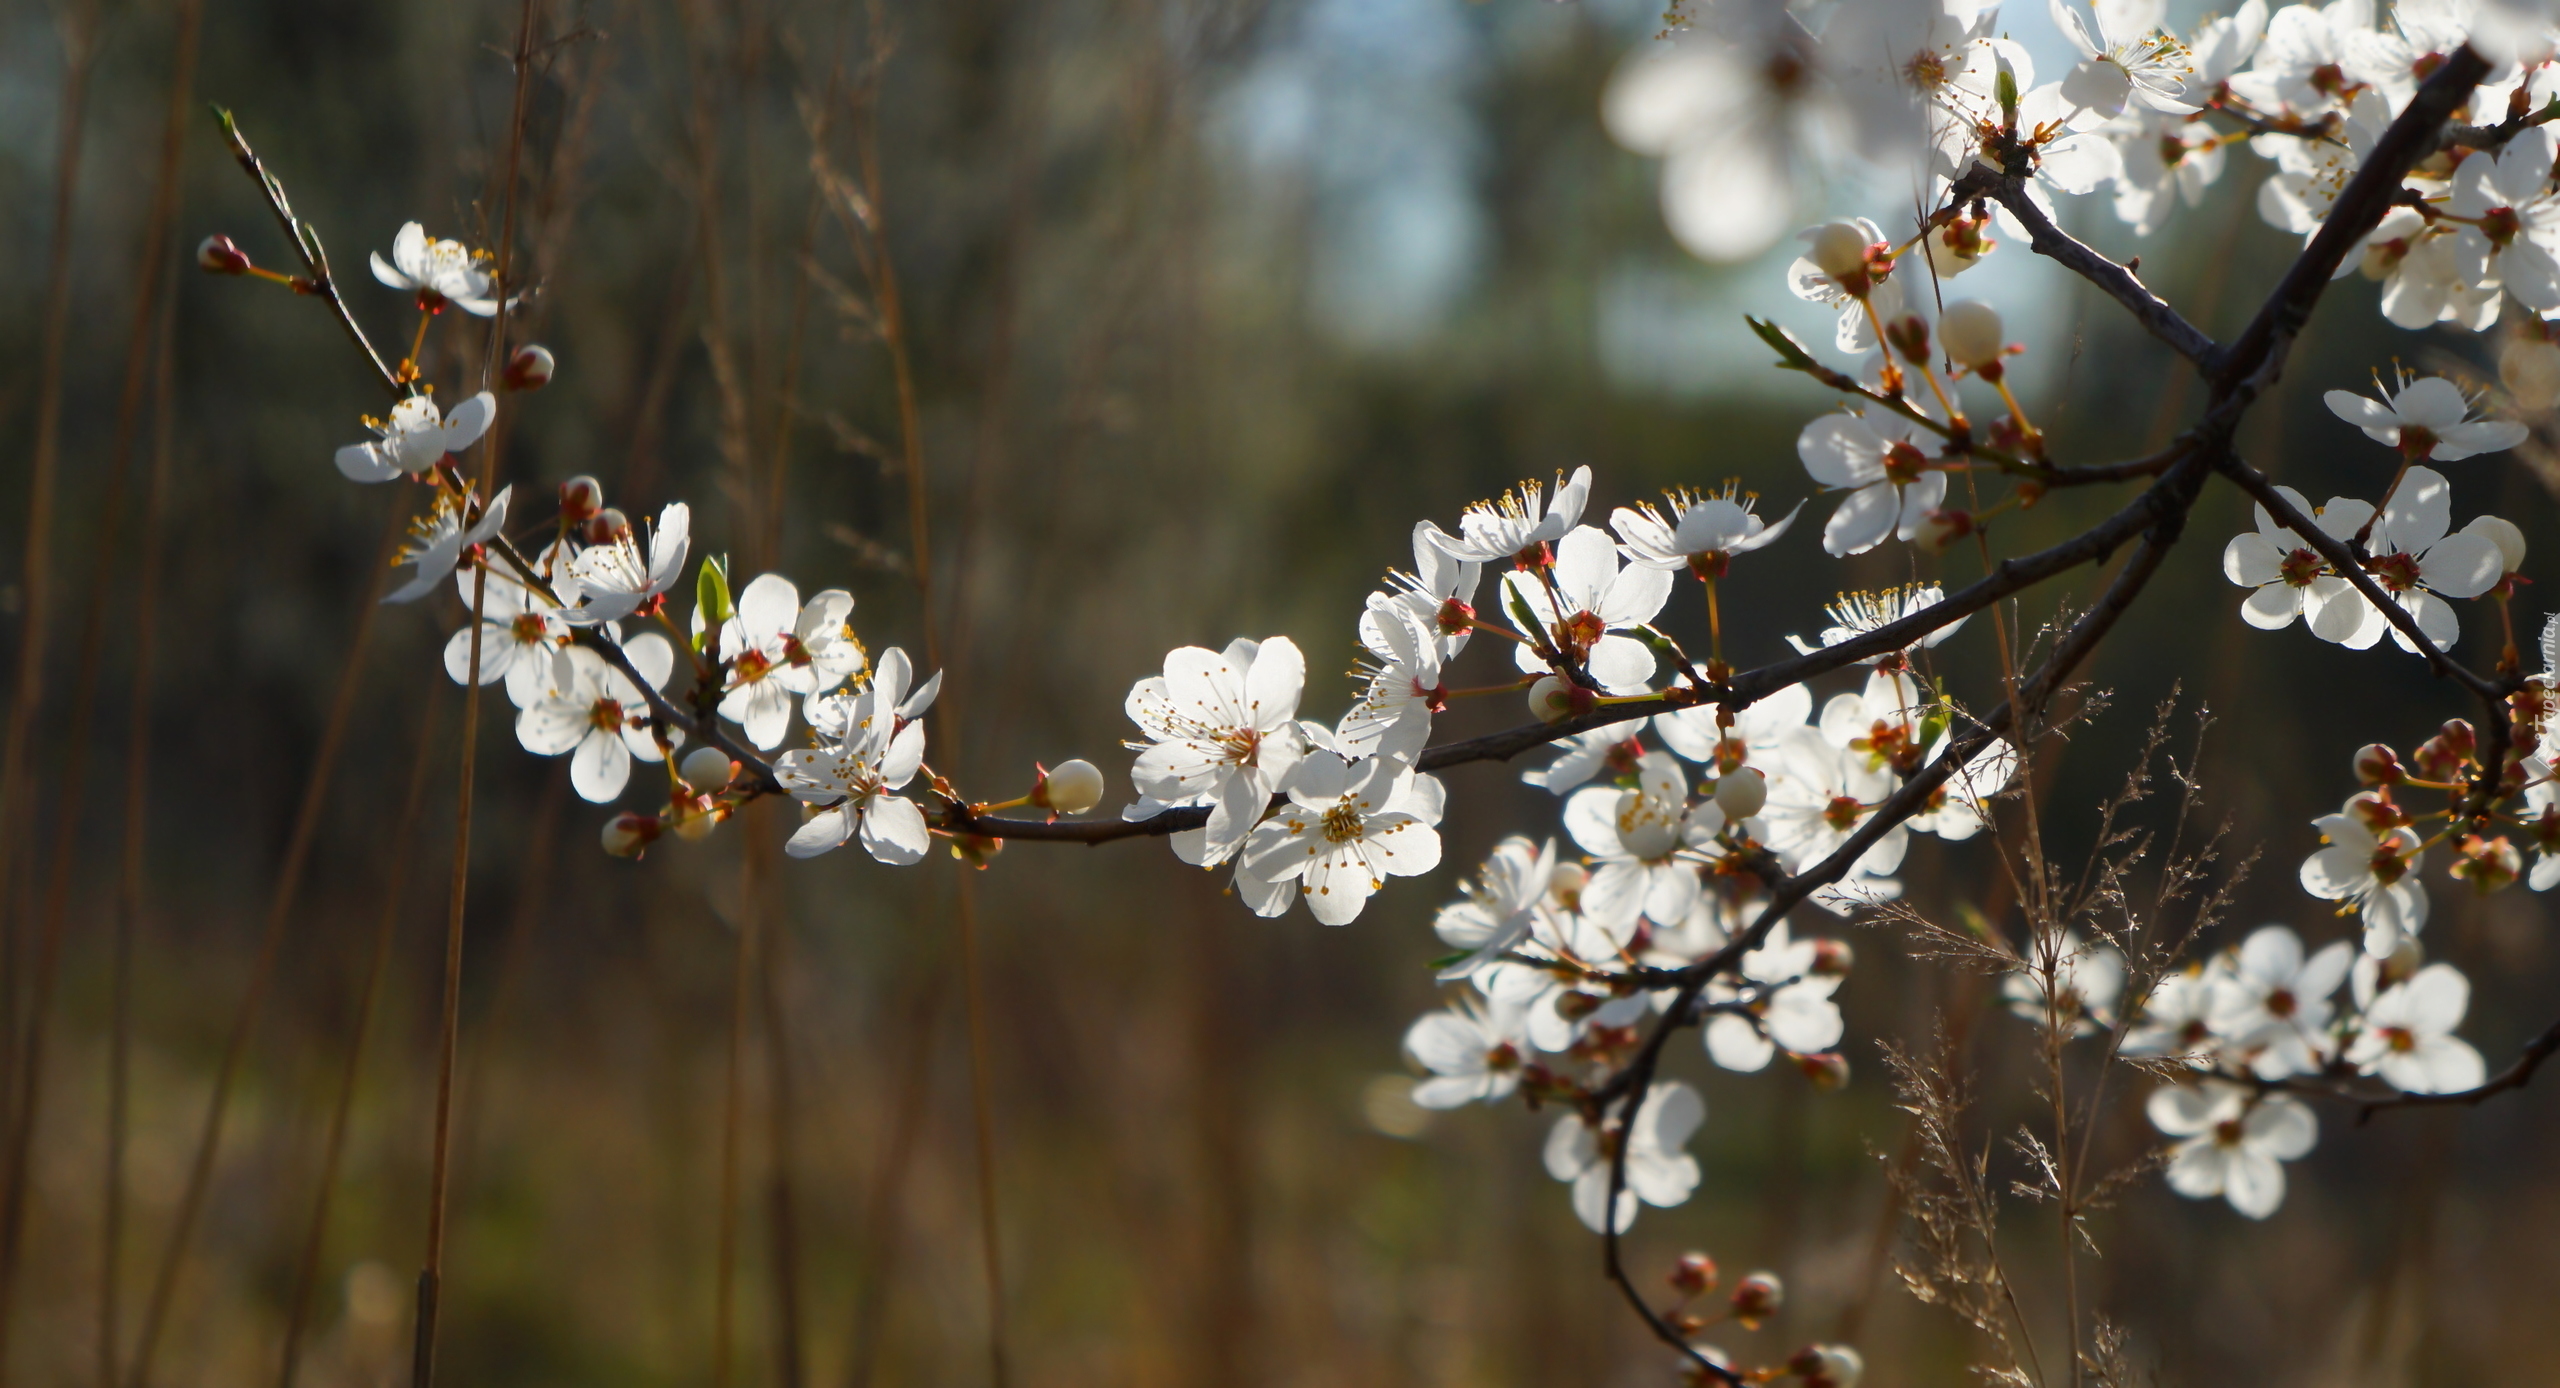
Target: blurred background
{"x":1206,"y":304}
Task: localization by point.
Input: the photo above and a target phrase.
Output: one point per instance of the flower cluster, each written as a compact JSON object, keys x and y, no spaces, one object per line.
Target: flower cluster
{"x":2257,"y":1018}
{"x":1747,"y":112}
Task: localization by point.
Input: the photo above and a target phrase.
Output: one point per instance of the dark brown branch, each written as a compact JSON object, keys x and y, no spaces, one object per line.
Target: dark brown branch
{"x":306,"y":244}
{"x":2359,"y":208}
{"x":755,"y":770}
{"x":2154,"y":505}
{"x":2119,"y":283}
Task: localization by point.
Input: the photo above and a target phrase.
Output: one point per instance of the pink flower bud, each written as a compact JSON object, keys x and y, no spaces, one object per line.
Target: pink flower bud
{"x":1832,"y":958}
{"x":1073,"y":788}
{"x":1694,"y":1274}
{"x":629,"y":834}
{"x":1756,"y":1298}
{"x":2378,"y":765}
{"x":1909,"y":335}
{"x":216,"y":255}
{"x":529,"y":369}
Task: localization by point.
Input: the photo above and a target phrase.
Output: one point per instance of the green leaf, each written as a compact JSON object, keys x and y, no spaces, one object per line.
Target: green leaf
{"x":711,"y":599}
{"x":1446,"y":960}
{"x":1792,"y":355}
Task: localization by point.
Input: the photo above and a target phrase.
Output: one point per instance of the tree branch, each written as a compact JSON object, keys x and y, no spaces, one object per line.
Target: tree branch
{"x":306,"y":244}
{"x":2119,"y":283}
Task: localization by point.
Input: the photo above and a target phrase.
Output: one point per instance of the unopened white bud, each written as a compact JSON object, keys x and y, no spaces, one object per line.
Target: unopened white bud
{"x":1838,"y":249}
{"x":1740,"y":793}
{"x":629,"y":835}
{"x":1971,"y":331}
{"x":530,"y":368}
{"x":706,"y":769}
{"x":2531,"y":370}
{"x":1070,"y":787}
{"x":1551,"y":700}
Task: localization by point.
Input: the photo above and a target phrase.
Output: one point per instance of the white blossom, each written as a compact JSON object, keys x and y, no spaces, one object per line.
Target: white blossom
{"x":438,"y":538}
{"x":2234,"y":1142}
{"x":416,"y":437}
{"x":1473,"y":1053}
{"x":2370,"y":862}
{"x":600,"y":718}
{"x":2407,"y":1036}
{"x":1579,"y":604}
{"x":2272,"y":1003}
{"x":1702,"y":534}
{"x":437,"y":271}
{"x":1348,"y":827}
{"x":1222,"y":731}
{"x":611,"y":581}
{"x":1513,"y":525}
{"x":2425,"y":418}
{"x":1658,"y":1171}
{"x":2087,"y":977}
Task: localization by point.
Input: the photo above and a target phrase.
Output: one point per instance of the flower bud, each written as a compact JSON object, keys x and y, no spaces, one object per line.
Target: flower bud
{"x":2400,"y":965}
{"x":1971,"y":332}
{"x":1828,"y":1070}
{"x":1827,"y":1366}
{"x":1573,"y":1007}
{"x":2487,"y":864}
{"x":1831,"y":958}
{"x":694,"y":821}
{"x":1552,"y":700}
{"x":1698,"y":1376}
{"x":1073,"y":788}
{"x":1694,"y":1274}
{"x":1942,"y":527}
{"x":2442,"y":757}
{"x":977,"y":850}
{"x":706,"y":769}
{"x":629,"y":834}
{"x":1756,"y":1298}
{"x":2378,"y":765}
{"x":1565,"y":887}
{"x":1839,"y":249}
{"x":216,"y":255}
{"x":1741,"y":793}
{"x":2530,"y":368}
{"x":1958,"y":246}
{"x":529,"y":369}
{"x":1909,"y":335}
{"x":604,"y":527}
{"x":580,"y":497}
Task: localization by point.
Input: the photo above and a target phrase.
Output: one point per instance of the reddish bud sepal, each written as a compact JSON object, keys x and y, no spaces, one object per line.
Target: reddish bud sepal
{"x":529,"y":369}
{"x":2378,"y":765}
{"x":1694,"y":1274}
